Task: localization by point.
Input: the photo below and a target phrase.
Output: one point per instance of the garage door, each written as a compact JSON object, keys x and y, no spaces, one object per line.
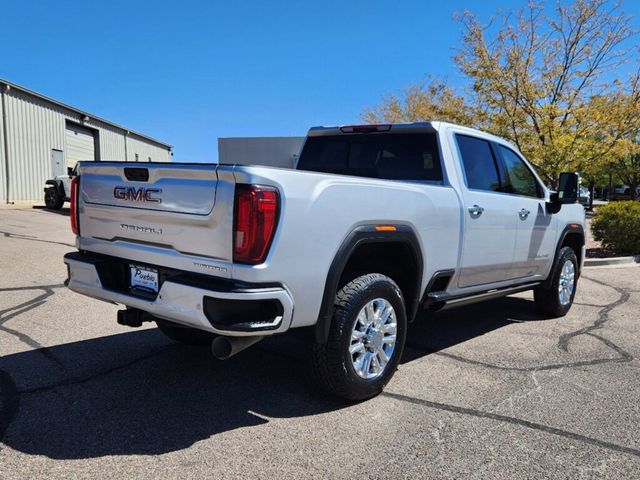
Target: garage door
{"x":80,"y":144}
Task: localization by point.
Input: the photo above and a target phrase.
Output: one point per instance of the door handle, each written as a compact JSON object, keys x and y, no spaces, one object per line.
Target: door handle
{"x":475,"y":211}
{"x":523,"y":214}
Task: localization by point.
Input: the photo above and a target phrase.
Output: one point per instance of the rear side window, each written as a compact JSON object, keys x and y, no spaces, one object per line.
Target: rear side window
{"x":393,"y":156}
{"x":479,"y":164}
{"x":520,"y":179}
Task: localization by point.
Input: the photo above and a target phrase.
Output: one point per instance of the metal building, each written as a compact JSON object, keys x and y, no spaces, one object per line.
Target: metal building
{"x":41,"y":137}
{"x":271,"y":151}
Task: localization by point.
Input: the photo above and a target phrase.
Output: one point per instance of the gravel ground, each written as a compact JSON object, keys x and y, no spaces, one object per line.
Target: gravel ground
{"x":487,"y":391}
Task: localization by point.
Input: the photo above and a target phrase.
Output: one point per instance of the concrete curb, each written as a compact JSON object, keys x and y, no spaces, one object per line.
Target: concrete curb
{"x":600,"y":262}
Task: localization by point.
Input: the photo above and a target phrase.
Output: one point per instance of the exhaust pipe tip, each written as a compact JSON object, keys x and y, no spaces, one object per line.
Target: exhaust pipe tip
{"x":221,"y":348}
{"x":226,"y":347}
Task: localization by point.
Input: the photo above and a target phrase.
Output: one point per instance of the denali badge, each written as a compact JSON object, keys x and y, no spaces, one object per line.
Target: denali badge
{"x":215,"y":268}
{"x":134,"y":194}
{"x":140,"y":228}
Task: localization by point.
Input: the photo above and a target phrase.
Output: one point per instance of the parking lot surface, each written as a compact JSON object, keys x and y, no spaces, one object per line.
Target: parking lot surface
{"x":487,"y":391}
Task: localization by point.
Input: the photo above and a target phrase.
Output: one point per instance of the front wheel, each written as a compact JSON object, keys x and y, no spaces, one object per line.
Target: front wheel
{"x":366,"y":338}
{"x":556,"y":299}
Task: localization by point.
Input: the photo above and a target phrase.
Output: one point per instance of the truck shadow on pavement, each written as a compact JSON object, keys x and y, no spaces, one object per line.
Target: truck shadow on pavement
{"x":64,"y":211}
{"x":136,"y":393}
{"x":433,"y":332}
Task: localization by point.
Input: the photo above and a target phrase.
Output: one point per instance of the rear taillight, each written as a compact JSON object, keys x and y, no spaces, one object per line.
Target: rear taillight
{"x":73,"y":214}
{"x":255,"y":219}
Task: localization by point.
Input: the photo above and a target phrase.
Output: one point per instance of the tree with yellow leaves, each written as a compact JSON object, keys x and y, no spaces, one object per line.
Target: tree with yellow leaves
{"x":547,"y":82}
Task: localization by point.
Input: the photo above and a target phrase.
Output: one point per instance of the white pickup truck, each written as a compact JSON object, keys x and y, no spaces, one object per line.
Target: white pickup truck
{"x":373,"y":224}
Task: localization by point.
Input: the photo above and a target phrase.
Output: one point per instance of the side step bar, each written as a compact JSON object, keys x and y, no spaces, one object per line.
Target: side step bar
{"x":444,"y":300}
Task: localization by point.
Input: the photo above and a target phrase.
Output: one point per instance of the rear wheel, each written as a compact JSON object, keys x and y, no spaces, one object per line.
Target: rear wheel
{"x":52,"y":199}
{"x":366,"y":338}
{"x":557,"y":298}
{"x":186,"y":335}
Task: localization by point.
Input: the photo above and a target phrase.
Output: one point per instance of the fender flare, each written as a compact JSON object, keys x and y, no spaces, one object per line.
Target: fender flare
{"x":58,"y":185}
{"x":570,"y":228}
{"x":359,"y":236}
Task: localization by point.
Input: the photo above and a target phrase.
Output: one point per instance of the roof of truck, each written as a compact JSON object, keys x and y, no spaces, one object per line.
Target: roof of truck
{"x":404,"y":128}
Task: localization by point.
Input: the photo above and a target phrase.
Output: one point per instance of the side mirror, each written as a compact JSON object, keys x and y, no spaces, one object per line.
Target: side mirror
{"x":568,"y":191}
{"x":568,"y":187}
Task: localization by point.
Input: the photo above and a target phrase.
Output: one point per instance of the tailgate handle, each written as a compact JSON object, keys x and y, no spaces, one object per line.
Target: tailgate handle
{"x":136,"y":174}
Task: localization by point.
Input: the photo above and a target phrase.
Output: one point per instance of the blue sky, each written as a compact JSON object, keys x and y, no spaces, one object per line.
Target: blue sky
{"x":192,"y":71}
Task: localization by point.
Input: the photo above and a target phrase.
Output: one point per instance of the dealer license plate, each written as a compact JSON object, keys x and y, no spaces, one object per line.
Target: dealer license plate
{"x":143,"y":277}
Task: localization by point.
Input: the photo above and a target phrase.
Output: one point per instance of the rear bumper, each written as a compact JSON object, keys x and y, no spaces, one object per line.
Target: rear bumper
{"x":234,"y":310}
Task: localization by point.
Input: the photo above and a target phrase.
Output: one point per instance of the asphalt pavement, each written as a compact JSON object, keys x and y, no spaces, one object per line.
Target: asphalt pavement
{"x":492,"y":390}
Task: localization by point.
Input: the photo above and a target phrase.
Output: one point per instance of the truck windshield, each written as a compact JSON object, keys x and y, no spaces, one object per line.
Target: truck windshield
{"x":394,"y":156}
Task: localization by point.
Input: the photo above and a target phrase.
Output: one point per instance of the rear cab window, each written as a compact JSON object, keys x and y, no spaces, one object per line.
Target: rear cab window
{"x":392,"y":156}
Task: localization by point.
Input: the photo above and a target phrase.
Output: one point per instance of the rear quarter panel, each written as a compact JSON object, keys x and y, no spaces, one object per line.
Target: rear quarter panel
{"x":318,"y":211}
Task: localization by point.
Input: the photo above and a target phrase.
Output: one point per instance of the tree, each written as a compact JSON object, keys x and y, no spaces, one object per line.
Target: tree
{"x":547,"y":82}
{"x":428,"y":100}
{"x":627,"y":169}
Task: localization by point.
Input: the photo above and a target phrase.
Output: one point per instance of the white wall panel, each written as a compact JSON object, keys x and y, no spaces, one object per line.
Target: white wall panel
{"x":33,"y":129}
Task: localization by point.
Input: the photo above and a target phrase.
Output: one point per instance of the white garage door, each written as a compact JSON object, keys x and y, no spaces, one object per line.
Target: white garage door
{"x":80,"y":144}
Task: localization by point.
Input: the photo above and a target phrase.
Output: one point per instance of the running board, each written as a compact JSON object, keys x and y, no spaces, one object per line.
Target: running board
{"x":444,"y":300}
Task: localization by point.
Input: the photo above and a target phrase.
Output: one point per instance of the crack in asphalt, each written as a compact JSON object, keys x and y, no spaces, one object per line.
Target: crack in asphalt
{"x":514,"y":421}
{"x":29,"y":287}
{"x":603,"y":317}
{"x":12,"y":312}
{"x":563,"y":342}
{"x":93,"y":376}
{"x":20,"y":236}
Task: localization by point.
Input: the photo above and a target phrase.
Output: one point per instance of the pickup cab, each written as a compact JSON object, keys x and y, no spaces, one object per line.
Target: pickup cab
{"x":375,"y":223}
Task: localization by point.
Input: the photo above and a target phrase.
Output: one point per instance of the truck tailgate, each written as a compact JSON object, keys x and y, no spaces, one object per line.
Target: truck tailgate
{"x":140,"y":211}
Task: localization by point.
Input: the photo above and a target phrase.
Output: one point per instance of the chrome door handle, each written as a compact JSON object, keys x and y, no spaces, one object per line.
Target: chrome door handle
{"x":475,"y":211}
{"x":523,"y":214}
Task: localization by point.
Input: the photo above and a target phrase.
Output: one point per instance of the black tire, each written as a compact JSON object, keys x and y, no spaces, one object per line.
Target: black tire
{"x":332,"y":361}
{"x":52,"y":199}
{"x":186,"y":335}
{"x":548,"y":298}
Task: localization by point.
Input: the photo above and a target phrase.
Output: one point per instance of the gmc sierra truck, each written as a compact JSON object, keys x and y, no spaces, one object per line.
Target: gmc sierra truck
{"x":374,"y":223}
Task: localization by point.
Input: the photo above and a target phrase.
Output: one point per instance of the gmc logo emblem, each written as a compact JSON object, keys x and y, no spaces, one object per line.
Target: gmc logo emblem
{"x":134,"y":194}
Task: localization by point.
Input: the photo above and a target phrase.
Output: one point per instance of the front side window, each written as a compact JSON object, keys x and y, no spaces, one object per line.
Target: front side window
{"x":520,"y":180}
{"x":479,"y":164}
